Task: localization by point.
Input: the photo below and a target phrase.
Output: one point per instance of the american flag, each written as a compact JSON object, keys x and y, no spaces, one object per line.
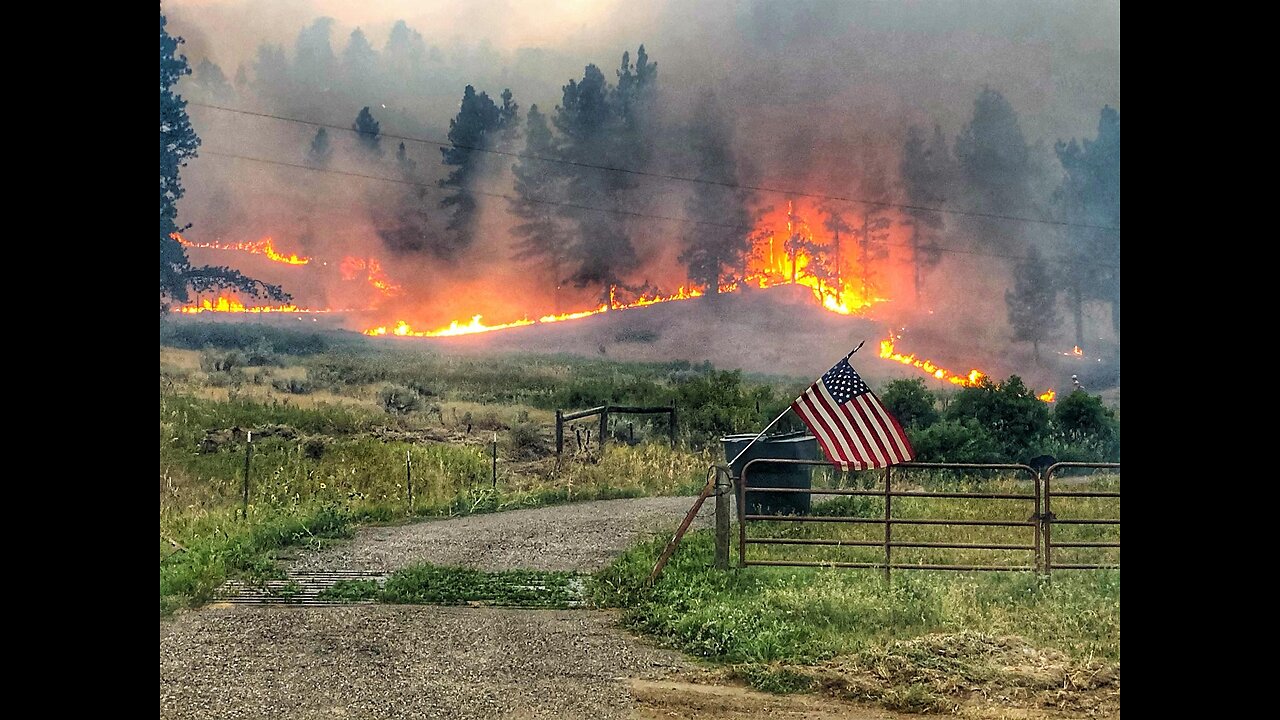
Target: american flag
{"x":854,"y":429}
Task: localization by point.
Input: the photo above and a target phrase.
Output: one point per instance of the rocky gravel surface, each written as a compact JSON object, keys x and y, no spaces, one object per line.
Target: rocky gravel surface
{"x":388,"y":661}
{"x":583,"y":537}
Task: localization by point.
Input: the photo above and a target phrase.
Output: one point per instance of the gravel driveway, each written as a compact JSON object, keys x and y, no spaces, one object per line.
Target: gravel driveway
{"x":397,"y":661}
{"x":383,"y":661}
{"x":583,"y":536}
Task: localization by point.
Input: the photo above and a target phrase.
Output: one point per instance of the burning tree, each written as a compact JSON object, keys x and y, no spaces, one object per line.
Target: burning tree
{"x":871,"y":225}
{"x":178,"y":144}
{"x":834,"y":222}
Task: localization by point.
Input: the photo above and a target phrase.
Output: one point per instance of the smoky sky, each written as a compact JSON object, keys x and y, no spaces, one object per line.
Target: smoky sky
{"x":906,"y":60}
{"x":816,"y":93}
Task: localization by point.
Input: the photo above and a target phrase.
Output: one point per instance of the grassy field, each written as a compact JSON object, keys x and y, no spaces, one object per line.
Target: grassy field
{"x":329,"y":451}
{"x":921,"y":641}
{"x":338,"y":423}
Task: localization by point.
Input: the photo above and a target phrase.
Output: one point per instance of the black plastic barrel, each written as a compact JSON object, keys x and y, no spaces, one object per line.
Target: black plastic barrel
{"x":787,"y":446}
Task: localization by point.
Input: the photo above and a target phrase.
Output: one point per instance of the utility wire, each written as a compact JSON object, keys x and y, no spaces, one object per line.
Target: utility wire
{"x":556,"y":203}
{"x":665,"y":176}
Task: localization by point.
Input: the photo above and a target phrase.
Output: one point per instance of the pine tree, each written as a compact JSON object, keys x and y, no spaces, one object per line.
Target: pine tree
{"x":321,"y":151}
{"x":360,"y":63}
{"x":1032,"y":301}
{"x":712,"y":250}
{"x":406,"y":164}
{"x":212,"y":83}
{"x":314,"y":63}
{"x":272,"y":73}
{"x":1090,"y":196}
{"x":472,"y":131}
{"x":367,"y":129}
{"x":538,"y":183}
{"x":605,"y":126}
{"x":871,"y":225}
{"x":928,"y":175}
{"x":178,"y":144}
{"x":995,"y":162}
{"x":405,"y":54}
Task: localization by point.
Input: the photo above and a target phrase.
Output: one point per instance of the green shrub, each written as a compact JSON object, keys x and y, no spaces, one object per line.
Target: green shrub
{"x":216,"y":361}
{"x":194,"y":335}
{"x":292,"y":386}
{"x":313,"y":448}
{"x":1081,"y":415}
{"x":1008,"y":412}
{"x":910,"y":402}
{"x":636,"y":335}
{"x":962,"y":441}
{"x":399,"y":400}
{"x":524,"y":441}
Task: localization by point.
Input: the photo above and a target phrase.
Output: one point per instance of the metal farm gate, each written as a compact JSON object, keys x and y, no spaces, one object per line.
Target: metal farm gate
{"x":1036,"y":546}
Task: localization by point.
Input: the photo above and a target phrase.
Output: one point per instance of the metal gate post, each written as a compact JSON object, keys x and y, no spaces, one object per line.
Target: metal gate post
{"x":1047,"y":520}
{"x":888,"y":523}
{"x":1038,"y":516}
{"x":741,"y":482}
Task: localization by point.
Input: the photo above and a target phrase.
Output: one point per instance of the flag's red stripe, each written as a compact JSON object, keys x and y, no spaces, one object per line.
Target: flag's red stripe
{"x":817,"y":424}
{"x":891,"y":426}
{"x":828,"y":433}
{"x":866,"y":432}
{"x":866,"y":453}
{"x":860,"y":433}
{"x":816,"y":427}
{"x":870,"y":426}
{"x":835,"y":424}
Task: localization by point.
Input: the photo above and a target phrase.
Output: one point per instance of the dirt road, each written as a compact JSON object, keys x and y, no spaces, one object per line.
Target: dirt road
{"x":384,"y":661}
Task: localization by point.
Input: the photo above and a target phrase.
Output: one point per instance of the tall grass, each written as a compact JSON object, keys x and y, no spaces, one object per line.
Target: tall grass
{"x":316,"y":471}
{"x":760,"y":614}
{"x":803,"y":615}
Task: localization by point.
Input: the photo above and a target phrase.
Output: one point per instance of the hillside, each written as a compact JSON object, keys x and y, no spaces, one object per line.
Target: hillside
{"x":778,"y":331}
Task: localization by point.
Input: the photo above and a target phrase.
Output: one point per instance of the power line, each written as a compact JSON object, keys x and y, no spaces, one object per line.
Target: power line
{"x":430,"y":186}
{"x":556,"y":203}
{"x":665,"y":176}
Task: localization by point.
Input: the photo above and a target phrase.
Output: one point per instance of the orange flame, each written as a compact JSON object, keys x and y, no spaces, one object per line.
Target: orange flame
{"x":887,"y":352}
{"x":229,"y":303}
{"x":771,"y":263}
{"x":1075,"y":350}
{"x":791,"y":260}
{"x":404,"y":329}
{"x":261,"y":247}
{"x":371,"y":269}
{"x":973,"y":378}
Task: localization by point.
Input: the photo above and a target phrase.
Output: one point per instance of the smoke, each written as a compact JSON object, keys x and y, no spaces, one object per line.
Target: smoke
{"x":815,"y":96}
